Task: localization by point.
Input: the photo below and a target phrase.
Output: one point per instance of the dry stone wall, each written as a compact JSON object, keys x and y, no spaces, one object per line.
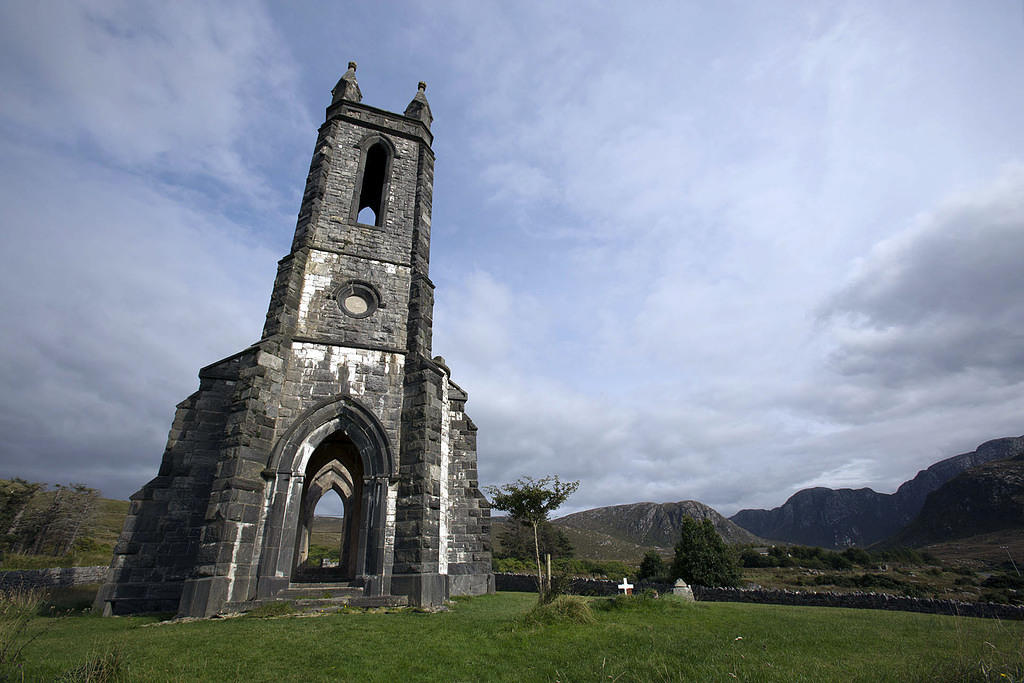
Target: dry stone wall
{"x":528,"y":583}
{"x":61,"y":577}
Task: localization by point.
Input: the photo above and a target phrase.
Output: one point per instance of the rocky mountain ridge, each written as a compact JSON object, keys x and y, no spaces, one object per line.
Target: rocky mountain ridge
{"x":653,"y":524}
{"x":838,"y":518}
{"x":981,"y":500}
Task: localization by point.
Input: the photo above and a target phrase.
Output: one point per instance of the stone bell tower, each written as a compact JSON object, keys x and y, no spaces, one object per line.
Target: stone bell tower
{"x":340,"y":394}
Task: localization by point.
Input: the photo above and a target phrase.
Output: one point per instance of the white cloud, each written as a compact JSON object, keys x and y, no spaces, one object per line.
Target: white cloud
{"x":176,"y":88}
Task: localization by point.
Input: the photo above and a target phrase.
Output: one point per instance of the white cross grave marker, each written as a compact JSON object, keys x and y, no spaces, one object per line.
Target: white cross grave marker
{"x":626,"y":587}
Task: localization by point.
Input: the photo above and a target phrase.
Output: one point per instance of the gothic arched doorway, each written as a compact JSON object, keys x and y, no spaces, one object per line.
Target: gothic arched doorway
{"x":338,"y":447}
{"x":334,"y":467}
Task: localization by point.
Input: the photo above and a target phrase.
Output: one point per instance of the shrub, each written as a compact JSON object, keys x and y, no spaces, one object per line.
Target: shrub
{"x":1004,"y":581}
{"x":558,"y":585}
{"x":751,"y":558}
{"x":1001,"y":597}
{"x":594,"y":568}
{"x":836,"y":561}
{"x":857,"y":556}
{"x":564,"y":609}
{"x":511,"y":565}
{"x":652,"y":565}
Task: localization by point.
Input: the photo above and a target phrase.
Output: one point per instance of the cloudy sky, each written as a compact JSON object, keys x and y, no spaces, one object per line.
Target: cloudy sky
{"x":686,"y":250}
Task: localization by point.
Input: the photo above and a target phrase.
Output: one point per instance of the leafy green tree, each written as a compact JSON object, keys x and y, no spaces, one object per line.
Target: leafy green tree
{"x":517,"y":541}
{"x":702,"y":557}
{"x":652,"y":566}
{"x":529,"y":501}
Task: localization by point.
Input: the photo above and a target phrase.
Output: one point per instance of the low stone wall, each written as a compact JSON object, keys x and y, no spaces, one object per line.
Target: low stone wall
{"x":860,"y":601}
{"x":52,"y":578}
{"x":528,"y":583}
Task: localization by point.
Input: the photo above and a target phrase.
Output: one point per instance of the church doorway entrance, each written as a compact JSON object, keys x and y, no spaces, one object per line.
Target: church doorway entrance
{"x":328,"y":548}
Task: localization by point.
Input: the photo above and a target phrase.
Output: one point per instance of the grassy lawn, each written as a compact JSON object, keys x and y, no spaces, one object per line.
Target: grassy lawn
{"x":486,"y":639}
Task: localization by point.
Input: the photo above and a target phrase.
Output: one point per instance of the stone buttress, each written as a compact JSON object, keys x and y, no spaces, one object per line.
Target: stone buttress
{"x":341,"y":393}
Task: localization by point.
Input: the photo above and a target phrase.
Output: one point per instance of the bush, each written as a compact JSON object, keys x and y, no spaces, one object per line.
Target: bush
{"x":1001,"y":597}
{"x":565,"y":609}
{"x":753,"y":559}
{"x":594,"y":568}
{"x":857,"y":556}
{"x":1004,"y":581}
{"x":558,"y":585}
{"x":836,"y":561}
{"x":512,"y":565}
{"x":869,"y":581}
{"x":652,"y":565}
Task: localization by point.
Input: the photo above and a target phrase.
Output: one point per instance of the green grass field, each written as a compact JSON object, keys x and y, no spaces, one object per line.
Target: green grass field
{"x":486,"y":639}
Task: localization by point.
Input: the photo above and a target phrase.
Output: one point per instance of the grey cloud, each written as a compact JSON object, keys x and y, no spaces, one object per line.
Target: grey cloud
{"x":944,"y":297}
{"x":108,"y":318}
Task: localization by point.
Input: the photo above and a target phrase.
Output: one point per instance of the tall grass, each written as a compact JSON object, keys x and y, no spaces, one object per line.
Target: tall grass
{"x":19,"y":626}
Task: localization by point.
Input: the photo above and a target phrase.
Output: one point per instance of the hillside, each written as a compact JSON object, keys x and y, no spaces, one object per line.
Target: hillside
{"x":586,"y":544}
{"x":653,"y":524}
{"x":982,"y":500}
{"x":838,"y":518}
{"x":95,"y":546}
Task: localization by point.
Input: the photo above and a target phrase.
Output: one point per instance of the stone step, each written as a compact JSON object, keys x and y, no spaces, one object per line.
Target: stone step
{"x":324,"y":591}
{"x":351,"y":601}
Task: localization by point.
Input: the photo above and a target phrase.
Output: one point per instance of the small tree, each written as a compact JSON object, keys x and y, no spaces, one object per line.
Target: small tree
{"x":529,"y":501}
{"x":702,"y":557}
{"x":652,"y":566}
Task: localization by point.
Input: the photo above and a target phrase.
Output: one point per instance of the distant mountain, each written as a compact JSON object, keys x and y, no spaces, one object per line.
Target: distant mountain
{"x":981,"y":500}
{"x":586,"y":544}
{"x":653,"y":524}
{"x":837,"y":518}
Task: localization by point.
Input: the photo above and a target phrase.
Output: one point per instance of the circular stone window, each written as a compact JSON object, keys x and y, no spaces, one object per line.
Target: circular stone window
{"x":357,"y":299}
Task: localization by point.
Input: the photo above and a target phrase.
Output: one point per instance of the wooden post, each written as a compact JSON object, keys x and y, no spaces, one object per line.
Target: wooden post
{"x":548,"y":555}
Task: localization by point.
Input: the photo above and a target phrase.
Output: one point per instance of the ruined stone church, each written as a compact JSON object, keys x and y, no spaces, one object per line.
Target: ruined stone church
{"x":341,"y":394}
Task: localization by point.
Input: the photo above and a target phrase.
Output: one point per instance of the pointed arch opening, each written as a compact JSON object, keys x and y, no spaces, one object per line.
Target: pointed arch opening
{"x":324,"y":553}
{"x":372,"y":187}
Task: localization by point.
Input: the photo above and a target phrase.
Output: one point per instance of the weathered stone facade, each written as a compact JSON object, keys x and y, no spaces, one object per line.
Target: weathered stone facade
{"x":341,"y":393}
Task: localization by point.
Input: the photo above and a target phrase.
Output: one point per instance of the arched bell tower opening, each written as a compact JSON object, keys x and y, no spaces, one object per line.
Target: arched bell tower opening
{"x":373,"y":180}
{"x":333,"y":468}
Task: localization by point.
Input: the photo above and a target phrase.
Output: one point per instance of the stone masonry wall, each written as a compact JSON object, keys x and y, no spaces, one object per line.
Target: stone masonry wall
{"x":159,"y":543}
{"x":60,"y":577}
{"x":469,"y":548}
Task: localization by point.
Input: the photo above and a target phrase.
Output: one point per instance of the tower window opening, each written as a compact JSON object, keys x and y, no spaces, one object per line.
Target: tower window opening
{"x":371,"y":195}
{"x":367,"y":216}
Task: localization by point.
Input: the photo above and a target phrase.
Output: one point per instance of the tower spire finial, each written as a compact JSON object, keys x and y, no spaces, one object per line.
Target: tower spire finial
{"x":419,"y":108}
{"x":347,"y":87}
